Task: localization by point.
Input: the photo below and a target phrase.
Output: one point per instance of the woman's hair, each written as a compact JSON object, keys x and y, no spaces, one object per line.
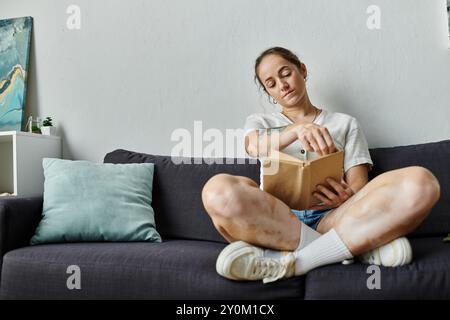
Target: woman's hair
{"x":282,"y":52}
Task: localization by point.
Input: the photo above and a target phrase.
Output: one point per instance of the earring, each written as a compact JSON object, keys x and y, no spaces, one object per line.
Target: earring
{"x":273,"y":101}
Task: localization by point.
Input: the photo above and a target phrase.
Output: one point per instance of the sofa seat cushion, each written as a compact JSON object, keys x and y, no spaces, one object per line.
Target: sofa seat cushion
{"x":427,"y":277}
{"x":174,"y":269}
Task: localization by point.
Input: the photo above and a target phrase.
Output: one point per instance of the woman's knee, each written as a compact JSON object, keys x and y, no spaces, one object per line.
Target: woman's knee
{"x":222,"y":195}
{"x":420,"y":190}
{"x":410,"y":192}
{"x":420,"y":186}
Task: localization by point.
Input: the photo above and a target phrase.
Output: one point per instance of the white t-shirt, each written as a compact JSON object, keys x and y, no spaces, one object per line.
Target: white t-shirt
{"x":344,"y":129}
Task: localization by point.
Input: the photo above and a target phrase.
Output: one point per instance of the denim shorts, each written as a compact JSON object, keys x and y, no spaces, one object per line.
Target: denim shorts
{"x":311,"y":217}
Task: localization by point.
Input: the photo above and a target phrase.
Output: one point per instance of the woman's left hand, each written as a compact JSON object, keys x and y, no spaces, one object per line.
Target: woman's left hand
{"x":334,"y":197}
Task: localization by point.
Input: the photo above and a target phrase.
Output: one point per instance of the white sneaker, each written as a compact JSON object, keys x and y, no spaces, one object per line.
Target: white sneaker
{"x":242,"y":261}
{"x":393,"y":254}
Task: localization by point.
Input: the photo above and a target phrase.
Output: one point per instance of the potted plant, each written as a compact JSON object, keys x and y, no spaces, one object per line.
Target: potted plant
{"x":47,"y":127}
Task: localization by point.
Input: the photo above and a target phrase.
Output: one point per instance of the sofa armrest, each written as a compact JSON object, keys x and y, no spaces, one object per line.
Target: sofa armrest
{"x":19,"y":218}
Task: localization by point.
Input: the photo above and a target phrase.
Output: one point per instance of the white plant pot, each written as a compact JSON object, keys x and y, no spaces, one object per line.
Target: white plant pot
{"x":48,"y":131}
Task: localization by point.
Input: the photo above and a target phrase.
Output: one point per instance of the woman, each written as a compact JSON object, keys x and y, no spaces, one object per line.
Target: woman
{"x":356,"y":217}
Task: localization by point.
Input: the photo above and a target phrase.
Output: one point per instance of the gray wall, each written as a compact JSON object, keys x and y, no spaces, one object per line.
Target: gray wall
{"x":139,"y":69}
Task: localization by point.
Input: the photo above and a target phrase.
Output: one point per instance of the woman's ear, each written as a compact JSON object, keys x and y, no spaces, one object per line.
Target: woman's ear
{"x":303,"y":70}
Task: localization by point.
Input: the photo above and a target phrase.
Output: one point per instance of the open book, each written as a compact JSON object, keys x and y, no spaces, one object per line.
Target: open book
{"x":293,"y":181}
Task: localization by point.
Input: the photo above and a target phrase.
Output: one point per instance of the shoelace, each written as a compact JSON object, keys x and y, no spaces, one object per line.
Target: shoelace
{"x":269,"y":269}
{"x":370,"y":256}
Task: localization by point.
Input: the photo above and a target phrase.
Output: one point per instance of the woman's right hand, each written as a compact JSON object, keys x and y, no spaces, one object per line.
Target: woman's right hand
{"x":314,"y":138}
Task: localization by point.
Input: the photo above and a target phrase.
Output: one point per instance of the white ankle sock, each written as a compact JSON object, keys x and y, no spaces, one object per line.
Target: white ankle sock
{"x":307,"y":235}
{"x":327,"y":249}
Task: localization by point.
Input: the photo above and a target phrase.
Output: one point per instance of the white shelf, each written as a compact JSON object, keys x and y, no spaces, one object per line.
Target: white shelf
{"x":6,"y":134}
{"x":21,"y":155}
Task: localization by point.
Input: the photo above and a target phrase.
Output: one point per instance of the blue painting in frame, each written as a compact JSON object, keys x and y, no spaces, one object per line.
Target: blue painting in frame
{"x":15,"y":41}
{"x":448,"y":15}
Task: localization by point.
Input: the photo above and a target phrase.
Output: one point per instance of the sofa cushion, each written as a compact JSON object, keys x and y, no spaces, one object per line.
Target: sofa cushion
{"x":436,"y":158}
{"x":179,"y":211}
{"x":174,"y":269}
{"x":85,"y":201}
{"x":427,"y":277}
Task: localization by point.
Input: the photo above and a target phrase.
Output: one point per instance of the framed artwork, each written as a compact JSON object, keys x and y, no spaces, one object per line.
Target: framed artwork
{"x":448,"y":16}
{"x":15,"y":42}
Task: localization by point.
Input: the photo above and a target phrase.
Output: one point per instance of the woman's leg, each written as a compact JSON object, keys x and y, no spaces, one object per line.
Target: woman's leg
{"x":391,"y":205}
{"x":240,"y":210}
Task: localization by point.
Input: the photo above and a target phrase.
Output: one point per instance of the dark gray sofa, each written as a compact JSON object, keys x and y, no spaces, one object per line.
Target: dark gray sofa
{"x":183,"y":265}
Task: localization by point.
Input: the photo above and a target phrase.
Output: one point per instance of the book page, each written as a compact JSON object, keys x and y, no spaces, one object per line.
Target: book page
{"x":293,"y":181}
{"x":281,"y":156}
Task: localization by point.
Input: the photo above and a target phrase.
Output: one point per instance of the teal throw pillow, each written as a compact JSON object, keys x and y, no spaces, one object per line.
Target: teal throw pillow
{"x":85,"y":201}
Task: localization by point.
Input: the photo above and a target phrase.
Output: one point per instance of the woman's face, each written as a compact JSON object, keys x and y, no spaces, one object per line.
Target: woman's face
{"x":282,"y":80}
